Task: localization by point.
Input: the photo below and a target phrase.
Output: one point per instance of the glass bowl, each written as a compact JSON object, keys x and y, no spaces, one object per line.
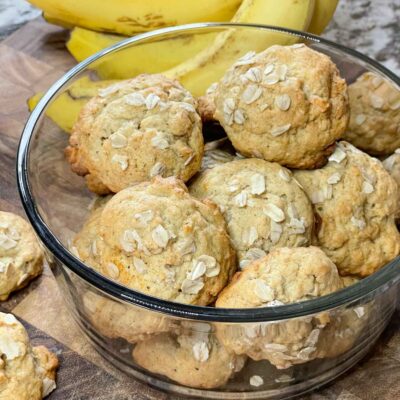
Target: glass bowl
{"x":176,"y":347}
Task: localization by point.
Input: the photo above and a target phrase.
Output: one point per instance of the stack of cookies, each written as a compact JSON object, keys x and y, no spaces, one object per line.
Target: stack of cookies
{"x":280,"y":211}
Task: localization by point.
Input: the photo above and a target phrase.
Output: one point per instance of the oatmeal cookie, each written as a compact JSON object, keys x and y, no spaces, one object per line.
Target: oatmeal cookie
{"x":118,"y":320}
{"x":195,"y":359}
{"x":262,"y":203}
{"x":86,"y":243}
{"x":392,"y":165}
{"x":285,"y":275}
{"x":356,"y":201}
{"x":159,"y":240}
{"x":21,"y":256}
{"x":374,"y":115}
{"x":26,"y":373}
{"x":112,"y":318}
{"x":286,"y":104}
{"x":134,"y":130}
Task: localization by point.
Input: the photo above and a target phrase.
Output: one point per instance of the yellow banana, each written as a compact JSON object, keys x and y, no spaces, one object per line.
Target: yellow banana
{"x":65,"y":109}
{"x":199,"y":72}
{"x":151,"y":57}
{"x":323,"y":13}
{"x":128,"y":17}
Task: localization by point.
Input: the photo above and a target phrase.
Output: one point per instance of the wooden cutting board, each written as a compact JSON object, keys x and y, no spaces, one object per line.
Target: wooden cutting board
{"x":31,"y":60}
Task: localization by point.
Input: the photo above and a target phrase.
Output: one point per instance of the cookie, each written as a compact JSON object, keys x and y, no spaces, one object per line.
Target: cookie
{"x":85,"y":244}
{"x":392,"y":165}
{"x":134,"y":130}
{"x":21,"y":256}
{"x":196,"y":359}
{"x":118,"y":320}
{"x":112,"y":318}
{"x":287,"y":104}
{"x":263,"y":205}
{"x":161,"y":241}
{"x":356,"y":201}
{"x":26,"y":372}
{"x":284,"y":276}
{"x":374,"y":115}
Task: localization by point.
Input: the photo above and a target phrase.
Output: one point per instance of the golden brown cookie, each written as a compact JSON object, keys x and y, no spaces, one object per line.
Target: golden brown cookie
{"x":118,"y":320}
{"x":26,"y":373}
{"x":284,"y":276}
{"x":194,"y":358}
{"x":356,"y":201}
{"x":392,"y":165}
{"x":21,"y":256}
{"x":112,"y":318}
{"x":286,"y":104}
{"x":134,"y":130}
{"x":159,"y":240}
{"x":374,"y":115}
{"x":263,"y":205}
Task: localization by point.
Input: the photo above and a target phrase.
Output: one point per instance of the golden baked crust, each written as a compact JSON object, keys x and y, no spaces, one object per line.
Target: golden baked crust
{"x":86,"y":243}
{"x":263,"y":205}
{"x":159,"y":240}
{"x":26,"y":373}
{"x":21,"y":256}
{"x":136,"y":129}
{"x":113,"y":319}
{"x":356,"y":201}
{"x":118,"y":320}
{"x":195,"y":359}
{"x":286,"y":104}
{"x":285,"y":275}
{"x":392,"y":165}
{"x":374,"y":115}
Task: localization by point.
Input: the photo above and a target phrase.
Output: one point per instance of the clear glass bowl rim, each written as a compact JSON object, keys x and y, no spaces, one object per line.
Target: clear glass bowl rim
{"x":388,"y":275}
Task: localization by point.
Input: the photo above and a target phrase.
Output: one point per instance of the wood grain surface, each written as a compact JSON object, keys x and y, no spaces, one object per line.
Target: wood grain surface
{"x":31,"y":59}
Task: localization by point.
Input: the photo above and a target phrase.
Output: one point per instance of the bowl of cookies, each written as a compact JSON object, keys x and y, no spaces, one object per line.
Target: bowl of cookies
{"x":222,"y":224}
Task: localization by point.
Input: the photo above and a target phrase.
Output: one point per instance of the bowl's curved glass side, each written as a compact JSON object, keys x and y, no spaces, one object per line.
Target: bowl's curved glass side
{"x":289,"y":349}
{"x":220,"y":360}
{"x":57,"y":200}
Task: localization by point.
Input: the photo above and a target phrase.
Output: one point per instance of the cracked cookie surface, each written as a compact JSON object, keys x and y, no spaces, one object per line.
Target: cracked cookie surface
{"x":356,"y":201}
{"x":134,"y":130}
{"x":21,"y":256}
{"x":287,"y":104}
{"x":374,"y":115}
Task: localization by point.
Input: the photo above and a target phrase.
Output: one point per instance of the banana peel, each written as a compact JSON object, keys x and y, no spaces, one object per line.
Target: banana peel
{"x":151,"y":57}
{"x":64,"y":110}
{"x":208,"y":66}
{"x":128,"y":17}
{"x":323,"y":13}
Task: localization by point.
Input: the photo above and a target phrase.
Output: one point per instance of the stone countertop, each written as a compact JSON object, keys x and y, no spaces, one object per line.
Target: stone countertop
{"x":370,"y":26}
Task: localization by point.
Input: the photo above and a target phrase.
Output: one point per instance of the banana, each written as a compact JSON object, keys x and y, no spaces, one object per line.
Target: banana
{"x":128,"y":17}
{"x":323,"y":13}
{"x":66,"y":107}
{"x":199,"y":72}
{"x":150,"y":57}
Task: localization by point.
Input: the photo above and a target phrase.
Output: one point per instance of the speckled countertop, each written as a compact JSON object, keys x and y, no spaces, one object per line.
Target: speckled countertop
{"x":370,"y":26}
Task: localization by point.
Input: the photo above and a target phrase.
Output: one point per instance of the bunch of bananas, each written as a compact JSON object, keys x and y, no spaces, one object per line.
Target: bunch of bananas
{"x":196,"y":61}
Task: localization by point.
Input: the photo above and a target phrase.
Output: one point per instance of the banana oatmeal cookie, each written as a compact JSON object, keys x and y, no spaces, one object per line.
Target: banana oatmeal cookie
{"x":134,"y":130}
{"x":157,"y":239}
{"x":21,"y":256}
{"x":286,"y":104}
{"x":263,"y":205}
{"x":392,"y":165}
{"x":194,"y":358}
{"x":374,"y":115}
{"x":356,"y":200}
{"x":285,"y":275}
{"x":26,"y":373}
